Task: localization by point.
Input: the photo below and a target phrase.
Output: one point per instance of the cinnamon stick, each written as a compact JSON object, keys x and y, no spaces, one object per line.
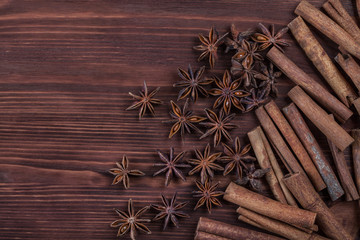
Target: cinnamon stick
{"x":295,"y":144}
{"x":329,"y":127}
{"x":356,"y":156}
{"x":328,"y":27}
{"x":208,"y":236}
{"x":310,"y":199}
{"x":311,"y":86}
{"x":315,"y":52}
{"x":350,"y":66}
{"x":228,"y":231}
{"x":264,"y":162}
{"x":269,"y":207}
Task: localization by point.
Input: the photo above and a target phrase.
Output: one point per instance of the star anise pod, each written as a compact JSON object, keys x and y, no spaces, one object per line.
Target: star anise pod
{"x":248,"y":52}
{"x":228,"y":92}
{"x":253,"y":176}
{"x":122,"y":172}
{"x":192,"y":83}
{"x":246,"y":72}
{"x":183,"y":120}
{"x":219,"y":126}
{"x":205,"y":163}
{"x":210,"y":46}
{"x":207,"y":193}
{"x":258,"y":96}
{"x":145,"y":101}
{"x":171,"y":165}
{"x":237,"y":158}
{"x":237,"y":37}
{"x":268,"y":78}
{"x":131,"y":221}
{"x":169,"y":211}
{"x":268,"y":38}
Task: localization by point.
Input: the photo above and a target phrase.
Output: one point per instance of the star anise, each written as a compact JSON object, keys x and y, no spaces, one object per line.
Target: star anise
{"x":258,"y":96}
{"x":268,"y":38}
{"x":207,"y":194}
{"x":248,"y":52}
{"x":171,"y":165}
{"x":122,"y":172}
{"x":205,"y":163}
{"x":237,"y":37}
{"x":219,"y":126}
{"x":210,"y":46}
{"x":253,"y":177}
{"x":238,"y":158}
{"x":228,"y":92}
{"x":245,"y":70}
{"x":183,"y":120}
{"x":192,"y":83}
{"x":269,"y":79}
{"x":131,"y":221}
{"x":145,"y":101}
{"x":169,"y":211}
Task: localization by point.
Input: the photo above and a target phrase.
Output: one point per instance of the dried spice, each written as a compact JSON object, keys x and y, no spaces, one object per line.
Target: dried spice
{"x":268,"y":38}
{"x":183,"y":120}
{"x":256,"y":98}
{"x":253,"y":176}
{"x":210,"y":46}
{"x":207,"y":193}
{"x":268,"y":78}
{"x":131,"y":221}
{"x":228,"y":92}
{"x":237,"y":158}
{"x":145,"y":101}
{"x":192,"y":83}
{"x":219,"y":126}
{"x":248,"y":52}
{"x":170,"y":165}
{"x":246,"y":72}
{"x":237,"y":37}
{"x":170,"y":211}
{"x":122,"y":172}
{"x":205,"y":163}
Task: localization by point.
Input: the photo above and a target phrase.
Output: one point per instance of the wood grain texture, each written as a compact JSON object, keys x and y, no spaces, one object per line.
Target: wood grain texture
{"x":66,"y":69}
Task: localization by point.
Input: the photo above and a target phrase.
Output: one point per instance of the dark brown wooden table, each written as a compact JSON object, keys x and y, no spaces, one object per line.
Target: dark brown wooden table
{"x":66,"y":70}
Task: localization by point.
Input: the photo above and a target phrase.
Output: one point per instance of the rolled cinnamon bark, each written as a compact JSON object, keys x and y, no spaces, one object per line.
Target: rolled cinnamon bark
{"x":322,"y":61}
{"x":311,"y":86}
{"x":264,"y":162}
{"x":308,"y":140}
{"x":208,"y":236}
{"x":310,"y":199}
{"x":350,"y":66}
{"x":295,"y":144}
{"x":328,"y":27}
{"x":329,"y":127}
{"x":229,"y":231}
{"x":356,"y":156}
{"x":269,"y":207}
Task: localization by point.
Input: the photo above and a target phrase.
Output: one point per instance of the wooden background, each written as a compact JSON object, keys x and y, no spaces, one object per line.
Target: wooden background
{"x":66,"y":69}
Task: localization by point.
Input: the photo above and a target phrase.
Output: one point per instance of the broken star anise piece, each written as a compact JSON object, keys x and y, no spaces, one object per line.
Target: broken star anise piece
{"x":131,"y":221}
{"x":219,"y":126}
{"x":268,"y":38}
{"x":228,"y":92}
{"x":248,"y":52}
{"x":122,"y":172}
{"x":210,"y":46}
{"x":205,"y":163}
{"x":171,"y":165}
{"x":253,"y":176}
{"x":237,"y":158}
{"x":237,"y":37}
{"x":268,"y":79}
{"x":258,"y":96}
{"x":183,"y":120}
{"x":207,"y":194}
{"x":145,"y":101}
{"x":170,"y":211}
{"x":192,"y":83}
{"x":246,"y":72}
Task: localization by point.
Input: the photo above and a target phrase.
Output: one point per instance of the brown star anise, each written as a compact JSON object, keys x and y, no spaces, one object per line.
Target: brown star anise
{"x":145,"y":101}
{"x":248,"y":52}
{"x":258,"y":96}
{"x":205,"y":163}
{"x":183,"y":120}
{"x":171,"y":165}
{"x":207,"y":195}
{"x":192,"y":83}
{"x":122,"y":172}
{"x":253,"y":176}
{"x":237,"y":159}
{"x":237,"y":38}
{"x":210,"y":46}
{"x":169,"y":211}
{"x":131,"y":221}
{"x":228,"y":92}
{"x":246,"y":72}
{"x":219,"y":126}
{"x":268,"y":38}
{"x":269,"y":79}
